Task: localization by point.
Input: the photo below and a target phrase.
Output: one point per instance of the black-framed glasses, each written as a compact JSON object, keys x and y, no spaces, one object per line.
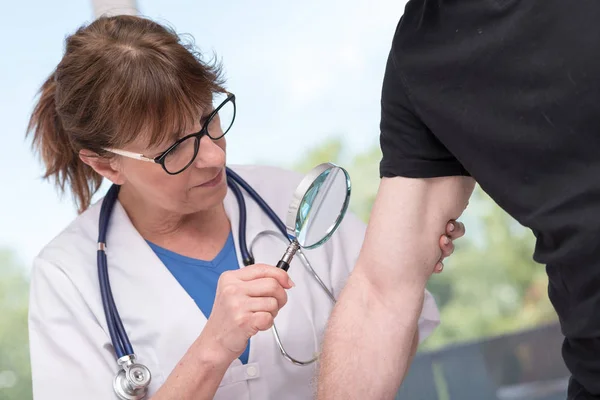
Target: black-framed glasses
{"x":181,"y":154}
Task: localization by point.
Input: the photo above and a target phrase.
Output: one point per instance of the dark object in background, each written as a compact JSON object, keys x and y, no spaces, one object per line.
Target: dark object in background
{"x":525,"y":365}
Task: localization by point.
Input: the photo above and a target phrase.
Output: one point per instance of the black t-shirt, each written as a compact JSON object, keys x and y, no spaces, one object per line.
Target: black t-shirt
{"x":506,"y":91}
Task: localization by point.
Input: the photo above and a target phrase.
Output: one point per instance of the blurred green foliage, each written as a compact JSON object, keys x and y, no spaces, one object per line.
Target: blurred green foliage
{"x":15,"y":372}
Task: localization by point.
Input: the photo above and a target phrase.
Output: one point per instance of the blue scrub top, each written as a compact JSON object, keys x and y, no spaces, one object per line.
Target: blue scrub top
{"x":199,"y":278}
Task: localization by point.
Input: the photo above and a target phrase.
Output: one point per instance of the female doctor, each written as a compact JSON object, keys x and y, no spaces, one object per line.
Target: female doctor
{"x":127,"y":90}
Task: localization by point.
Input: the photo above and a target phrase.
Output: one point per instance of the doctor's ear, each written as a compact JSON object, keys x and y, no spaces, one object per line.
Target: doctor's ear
{"x":107,"y":167}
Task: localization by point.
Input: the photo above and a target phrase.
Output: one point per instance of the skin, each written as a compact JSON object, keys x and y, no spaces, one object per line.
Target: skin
{"x":380,"y":305}
{"x":183,"y":214}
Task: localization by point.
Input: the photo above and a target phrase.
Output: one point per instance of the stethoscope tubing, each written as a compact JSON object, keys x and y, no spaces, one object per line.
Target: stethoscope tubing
{"x":118,"y":336}
{"x":260,"y":201}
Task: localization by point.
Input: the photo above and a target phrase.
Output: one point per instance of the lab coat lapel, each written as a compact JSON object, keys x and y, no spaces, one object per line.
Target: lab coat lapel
{"x":162,"y":319}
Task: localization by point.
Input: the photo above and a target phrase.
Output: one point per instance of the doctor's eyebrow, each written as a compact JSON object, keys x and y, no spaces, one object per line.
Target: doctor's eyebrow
{"x":174,"y":136}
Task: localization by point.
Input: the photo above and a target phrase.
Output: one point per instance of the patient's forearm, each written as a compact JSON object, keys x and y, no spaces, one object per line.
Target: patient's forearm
{"x":369,"y":340}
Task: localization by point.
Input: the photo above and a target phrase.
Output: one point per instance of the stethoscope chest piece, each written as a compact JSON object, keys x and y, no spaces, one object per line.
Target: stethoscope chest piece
{"x":131,"y":382}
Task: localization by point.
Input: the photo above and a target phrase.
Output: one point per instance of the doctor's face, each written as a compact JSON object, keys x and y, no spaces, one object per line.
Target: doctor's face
{"x":201,"y":186}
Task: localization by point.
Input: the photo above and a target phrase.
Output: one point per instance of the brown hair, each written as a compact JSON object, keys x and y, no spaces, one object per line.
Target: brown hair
{"x":119,"y":76}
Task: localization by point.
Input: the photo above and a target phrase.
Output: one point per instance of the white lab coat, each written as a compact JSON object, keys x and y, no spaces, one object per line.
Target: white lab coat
{"x":71,"y":353}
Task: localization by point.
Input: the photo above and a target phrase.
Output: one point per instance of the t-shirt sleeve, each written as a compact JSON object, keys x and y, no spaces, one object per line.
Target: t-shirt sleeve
{"x":409,"y":147}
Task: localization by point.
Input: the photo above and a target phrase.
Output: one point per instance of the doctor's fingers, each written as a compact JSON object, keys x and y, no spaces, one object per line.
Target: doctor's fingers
{"x":267,"y":287}
{"x":264,"y":304}
{"x":261,"y":321}
{"x":258,"y":271}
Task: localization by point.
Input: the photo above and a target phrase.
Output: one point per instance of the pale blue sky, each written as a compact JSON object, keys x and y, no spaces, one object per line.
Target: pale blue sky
{"x":301,"y":71}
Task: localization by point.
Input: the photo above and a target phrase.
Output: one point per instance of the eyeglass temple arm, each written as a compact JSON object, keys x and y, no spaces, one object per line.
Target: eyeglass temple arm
{"x":130,"y":154}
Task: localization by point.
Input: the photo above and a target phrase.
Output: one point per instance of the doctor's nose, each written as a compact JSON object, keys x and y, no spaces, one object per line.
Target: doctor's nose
{"x":211,"y":153}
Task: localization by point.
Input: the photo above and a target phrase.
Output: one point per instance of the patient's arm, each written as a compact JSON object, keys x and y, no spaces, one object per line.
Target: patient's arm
{"x":371,"y":335}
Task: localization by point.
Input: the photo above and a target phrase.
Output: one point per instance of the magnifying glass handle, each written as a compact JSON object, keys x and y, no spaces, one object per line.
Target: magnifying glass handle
{"x":285,"y":261}
{"x":283,"y":265}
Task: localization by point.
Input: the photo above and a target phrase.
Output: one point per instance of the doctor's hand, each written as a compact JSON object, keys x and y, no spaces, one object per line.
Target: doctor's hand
{"x":246,"y":302}
{"x":454,"y":230}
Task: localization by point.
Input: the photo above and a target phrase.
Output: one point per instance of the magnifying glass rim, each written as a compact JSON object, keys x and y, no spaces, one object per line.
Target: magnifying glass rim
{"x":301,"y":192}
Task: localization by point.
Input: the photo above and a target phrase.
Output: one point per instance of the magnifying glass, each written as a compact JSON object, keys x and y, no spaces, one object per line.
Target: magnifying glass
{"x":317,"y":208}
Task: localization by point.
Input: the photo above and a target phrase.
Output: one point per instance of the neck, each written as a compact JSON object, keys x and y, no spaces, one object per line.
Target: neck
{"x":199,"y":235}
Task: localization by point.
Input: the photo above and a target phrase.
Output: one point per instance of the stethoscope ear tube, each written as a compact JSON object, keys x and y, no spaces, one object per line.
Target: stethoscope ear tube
{"x":106,"y":211}
{"x":114,"y":337}
{"x":118,"y":336}
{"x":246,"y":256}
{"x":259,"y":200}
{"x":232,"y":180}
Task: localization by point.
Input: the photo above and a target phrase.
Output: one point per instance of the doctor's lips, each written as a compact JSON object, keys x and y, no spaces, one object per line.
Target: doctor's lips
{"x":214,"y":181}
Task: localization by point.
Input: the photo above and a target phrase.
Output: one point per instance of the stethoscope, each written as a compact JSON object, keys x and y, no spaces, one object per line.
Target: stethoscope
{"x":133,"y":378}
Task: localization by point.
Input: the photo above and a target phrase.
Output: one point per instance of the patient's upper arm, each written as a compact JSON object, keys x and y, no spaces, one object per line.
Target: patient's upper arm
{"x":408,"y":218}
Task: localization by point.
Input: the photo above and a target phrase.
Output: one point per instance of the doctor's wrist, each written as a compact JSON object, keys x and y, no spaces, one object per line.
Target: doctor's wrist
{"x":211,"y":353}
